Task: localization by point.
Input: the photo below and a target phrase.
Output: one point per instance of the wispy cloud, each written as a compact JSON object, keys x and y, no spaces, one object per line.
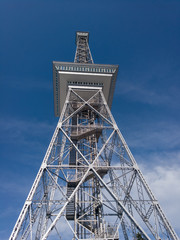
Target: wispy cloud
{"x":142,"y":92}
{"x":164,"y":181}
{"x":15,"y":130}
{"x":23,"y":141}
{"x":158,"y":84}
{"x":26,"y":83}
{"x":162,"y":135}
{"x":155,"y":146}
{"x":14,"y":186}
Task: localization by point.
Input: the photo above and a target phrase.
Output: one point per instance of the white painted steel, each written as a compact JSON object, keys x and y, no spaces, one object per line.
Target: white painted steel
{"x":89,"y":180}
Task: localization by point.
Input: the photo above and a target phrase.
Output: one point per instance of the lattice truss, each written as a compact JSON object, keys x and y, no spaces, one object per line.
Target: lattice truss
{"x":83,"y":53}
{"x":89,"y":185}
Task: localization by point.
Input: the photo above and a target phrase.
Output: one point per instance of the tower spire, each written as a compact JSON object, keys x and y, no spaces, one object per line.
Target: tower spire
{"x":83,"y":53}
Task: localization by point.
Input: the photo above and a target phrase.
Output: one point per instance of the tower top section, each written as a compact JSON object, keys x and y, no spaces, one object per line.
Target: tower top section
{"x":80,"y":35}
{"x":83,"y":73}
{"x":83,"y":53}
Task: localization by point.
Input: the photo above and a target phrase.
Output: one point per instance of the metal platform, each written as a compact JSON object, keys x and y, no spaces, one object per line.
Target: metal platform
{"x":87,"y":75}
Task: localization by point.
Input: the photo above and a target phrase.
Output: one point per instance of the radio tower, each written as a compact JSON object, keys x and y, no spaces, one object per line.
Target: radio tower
{"x":89,"y":185}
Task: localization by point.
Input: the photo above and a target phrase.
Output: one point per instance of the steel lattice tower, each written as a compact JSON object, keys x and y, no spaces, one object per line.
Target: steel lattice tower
{"x":89,"y":185}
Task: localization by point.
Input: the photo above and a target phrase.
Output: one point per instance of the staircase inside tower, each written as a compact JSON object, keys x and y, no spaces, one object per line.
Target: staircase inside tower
{"x":85,"y":208}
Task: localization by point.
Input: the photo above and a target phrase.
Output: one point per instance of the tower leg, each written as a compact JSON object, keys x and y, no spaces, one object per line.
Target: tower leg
{"x":89,"y":185}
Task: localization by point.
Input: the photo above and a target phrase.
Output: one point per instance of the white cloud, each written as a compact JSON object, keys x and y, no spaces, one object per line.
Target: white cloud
{"x":162,"y":135}
{"x":14,"y":186}
{"x":157,"y":153}
{"x":138,"y":91}
{"x":27,"y":139}
{"x":22,"y":131}
{"x":164,"y":182}
{"x":158,"y":85}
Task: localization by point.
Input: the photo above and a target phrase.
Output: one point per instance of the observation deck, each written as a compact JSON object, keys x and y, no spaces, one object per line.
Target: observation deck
{"x":87,"y":75}
{"x":82,"y":74}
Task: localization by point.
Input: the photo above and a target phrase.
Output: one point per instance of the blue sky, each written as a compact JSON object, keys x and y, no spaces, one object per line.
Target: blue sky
{"x":142,"y":37}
